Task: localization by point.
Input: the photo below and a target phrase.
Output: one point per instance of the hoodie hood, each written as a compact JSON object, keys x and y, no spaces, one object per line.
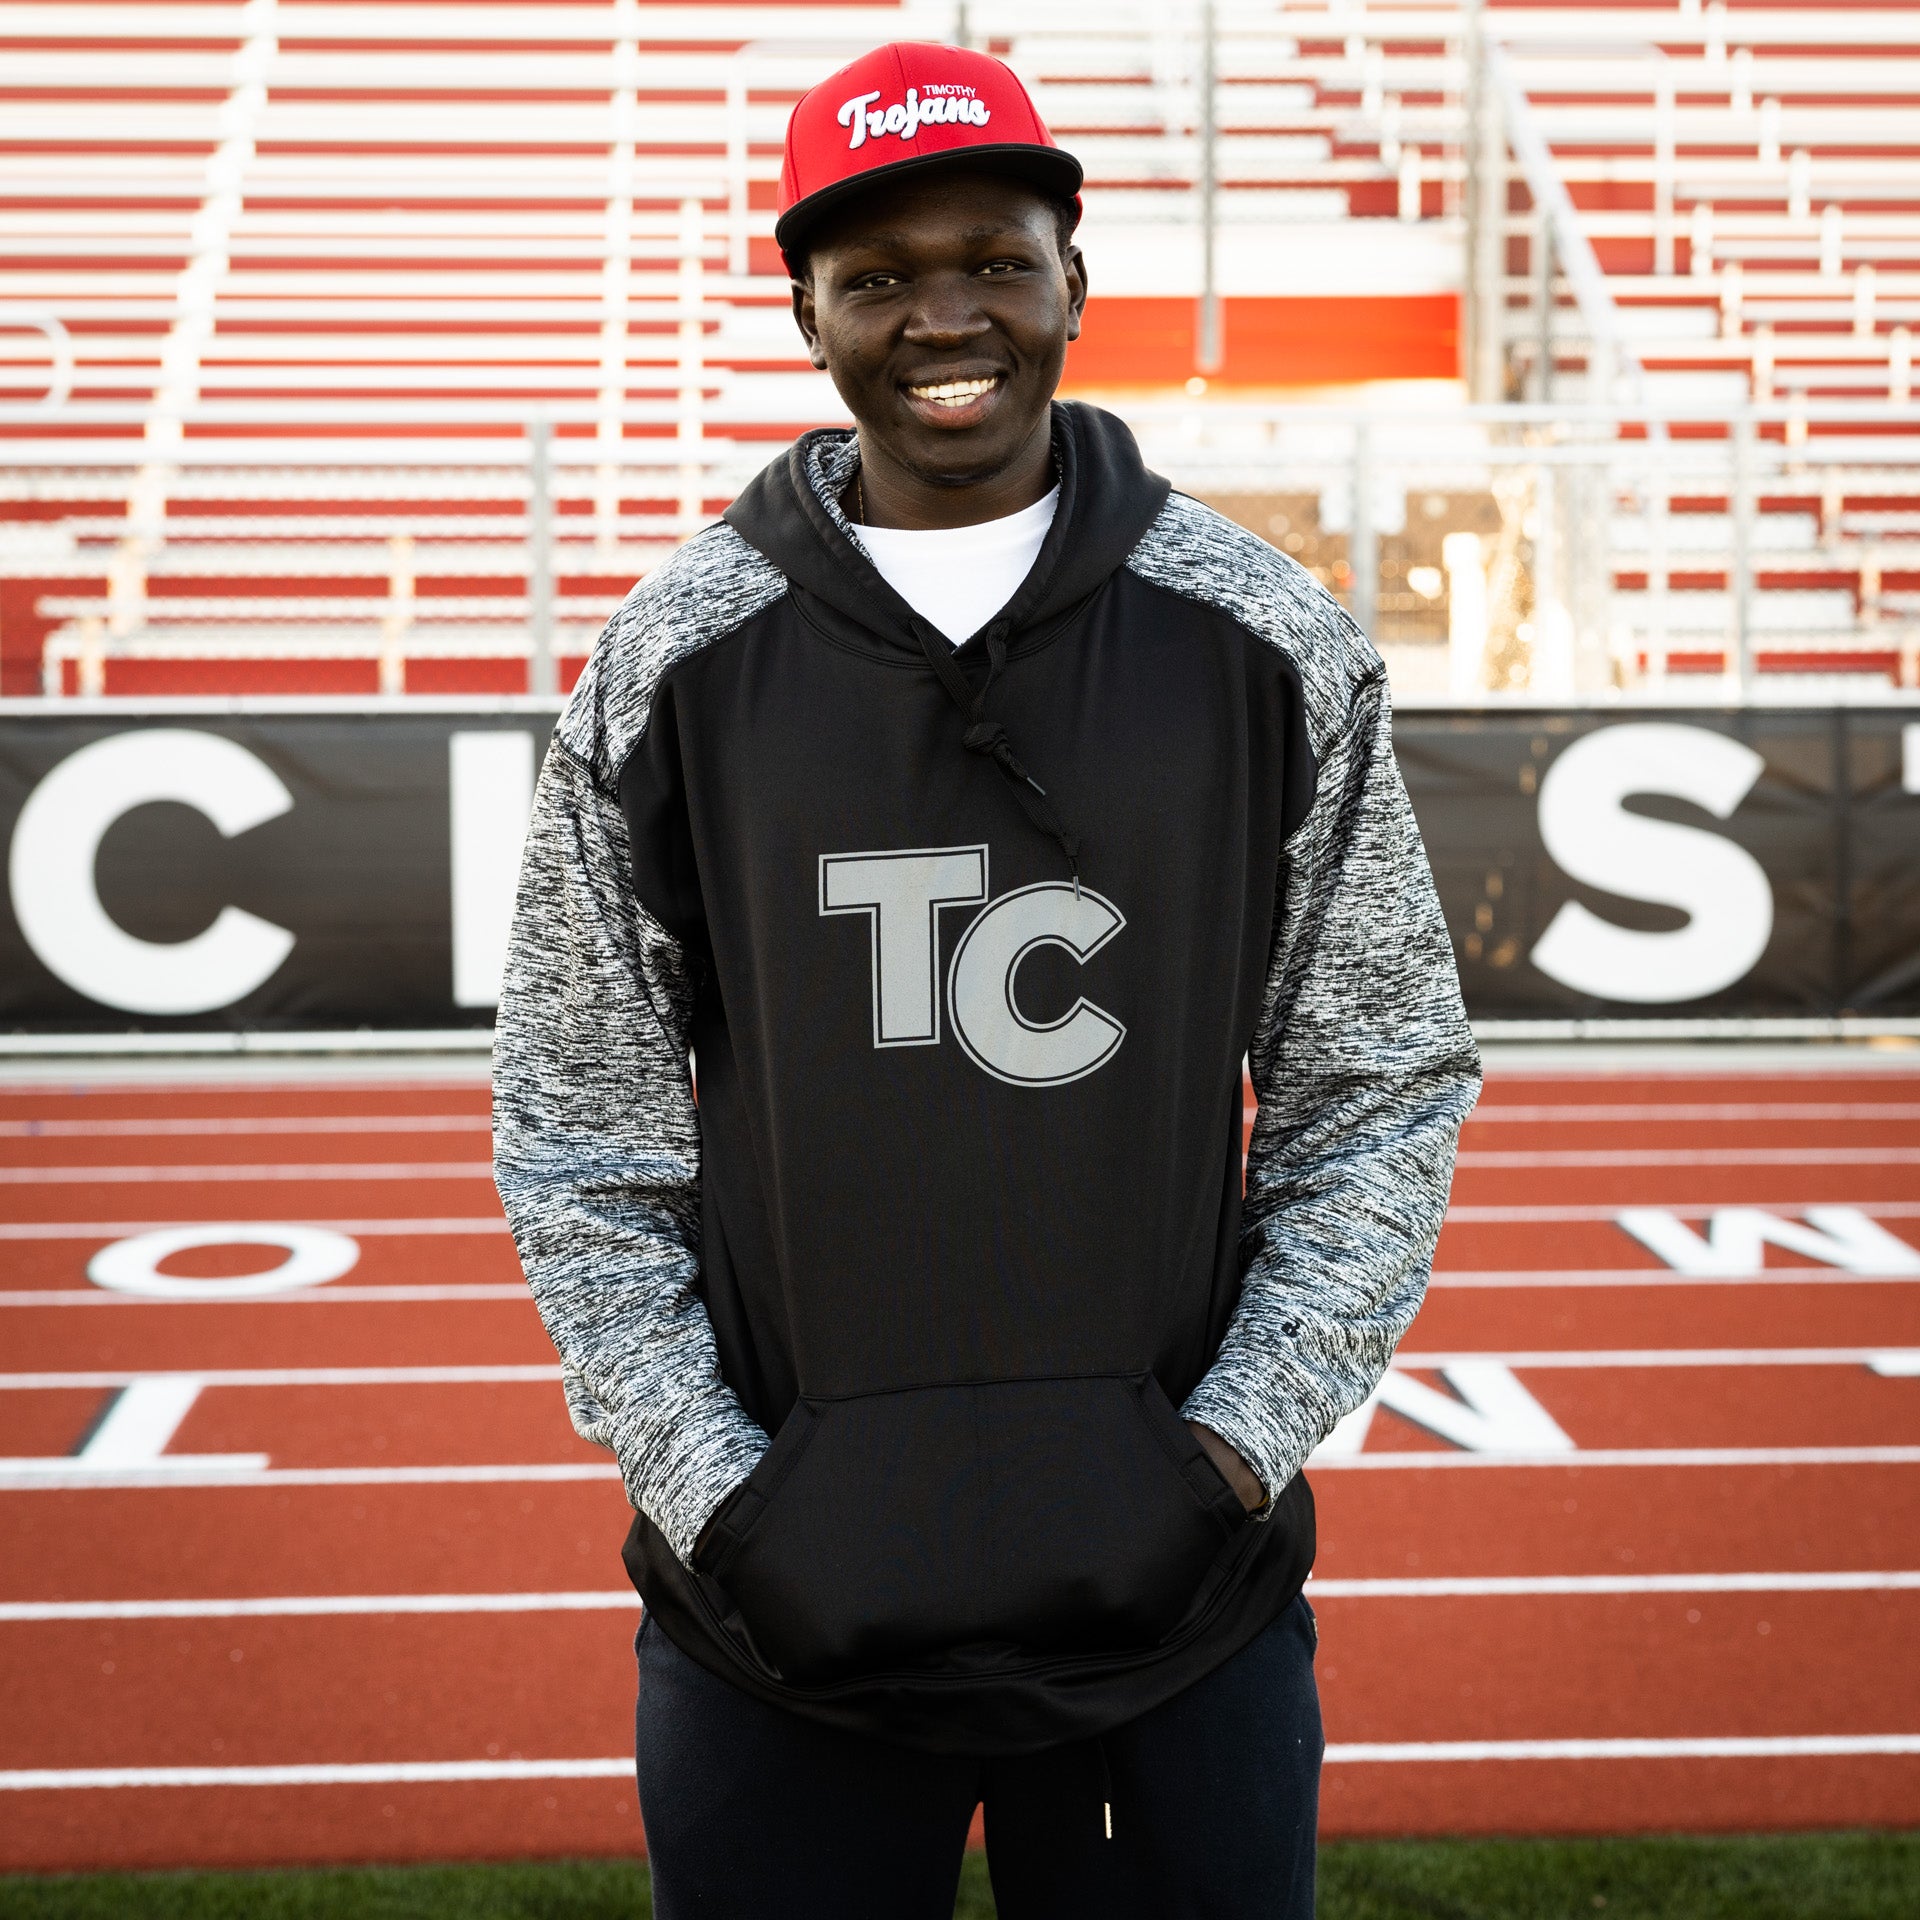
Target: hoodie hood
{"x":790,"y":512}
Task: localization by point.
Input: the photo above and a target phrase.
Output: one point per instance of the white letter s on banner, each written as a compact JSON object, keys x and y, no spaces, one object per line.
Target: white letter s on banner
{"x":1593,"y":839}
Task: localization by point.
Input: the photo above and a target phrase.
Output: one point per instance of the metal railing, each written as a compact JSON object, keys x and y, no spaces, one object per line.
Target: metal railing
{"x":1562,"y":550}
{"x":1619,"y":544}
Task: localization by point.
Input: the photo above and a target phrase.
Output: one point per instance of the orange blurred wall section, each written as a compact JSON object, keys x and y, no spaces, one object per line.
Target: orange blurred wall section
{"x":1311,"y":340}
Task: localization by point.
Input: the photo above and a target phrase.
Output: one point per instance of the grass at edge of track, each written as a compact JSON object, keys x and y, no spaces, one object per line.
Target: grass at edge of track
{"x":1846,"y":1876}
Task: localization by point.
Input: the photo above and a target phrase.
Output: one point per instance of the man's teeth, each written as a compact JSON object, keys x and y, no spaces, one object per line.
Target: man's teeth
{"x":954,"y":393}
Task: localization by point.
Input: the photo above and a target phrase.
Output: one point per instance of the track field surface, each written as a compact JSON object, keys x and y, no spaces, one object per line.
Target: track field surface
{"x":1629,"y":1541}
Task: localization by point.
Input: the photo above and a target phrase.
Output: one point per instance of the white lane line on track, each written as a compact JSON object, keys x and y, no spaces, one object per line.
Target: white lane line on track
{"x":1601,"y":1157}
{"x":1517,"y":1279}
{"x":1609,"y":1212}
{"x":1471,"y":1215}
{"x":624,"y":1599}
{"x":386,"y":1296}
{"x":1633,"y":1357}
{"x":213,"y":1170}
{"x":1576,"y":1585}
{"x":319,"y":1606}
{"x":1657,"y":1277}
{"x":1363,"y":1752}
{"x":1627,"y":1457}
{"x":59,"y":1480}
{"x":1588,"y":1156}
{"x":265,"y":1123}
{"x":475,"y":1376}
{"x":359,"y":1229}
{"x":1407,"y":1359}
{"x":1818,"y":1746}
{"x":381,"y":1773}
{"x":1598,"y":1159}
{"x":1758,"y":1112}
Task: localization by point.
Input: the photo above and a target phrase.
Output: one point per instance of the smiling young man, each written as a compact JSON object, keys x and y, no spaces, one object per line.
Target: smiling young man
{"x":969,"y":807}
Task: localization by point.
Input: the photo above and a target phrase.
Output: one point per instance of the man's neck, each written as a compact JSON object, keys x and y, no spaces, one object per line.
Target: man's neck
{"x":886,"y":494}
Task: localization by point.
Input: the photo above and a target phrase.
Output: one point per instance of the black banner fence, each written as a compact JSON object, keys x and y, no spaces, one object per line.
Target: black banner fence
{"x":301,"y":865}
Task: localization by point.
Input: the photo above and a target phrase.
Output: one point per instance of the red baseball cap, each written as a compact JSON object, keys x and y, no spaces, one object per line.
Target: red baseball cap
{"x":911,"y":104}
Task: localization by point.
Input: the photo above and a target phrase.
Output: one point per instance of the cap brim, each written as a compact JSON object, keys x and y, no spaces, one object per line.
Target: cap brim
{"x":1051,"y":169}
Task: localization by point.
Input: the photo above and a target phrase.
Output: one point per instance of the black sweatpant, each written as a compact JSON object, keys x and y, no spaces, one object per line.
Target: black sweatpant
{"x":756,"y":1814}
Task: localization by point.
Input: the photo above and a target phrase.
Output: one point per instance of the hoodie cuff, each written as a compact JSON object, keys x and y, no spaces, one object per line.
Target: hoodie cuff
{"x":1267,"y":1425}
{"x":680,"y":1478}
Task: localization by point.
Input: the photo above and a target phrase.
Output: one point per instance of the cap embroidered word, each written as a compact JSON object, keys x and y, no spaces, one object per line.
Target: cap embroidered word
{"x":942,"y":110}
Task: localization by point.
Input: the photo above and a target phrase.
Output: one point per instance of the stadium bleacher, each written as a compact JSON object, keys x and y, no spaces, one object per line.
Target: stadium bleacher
{"x":1749,"y":181}
{"x":361,"y":348}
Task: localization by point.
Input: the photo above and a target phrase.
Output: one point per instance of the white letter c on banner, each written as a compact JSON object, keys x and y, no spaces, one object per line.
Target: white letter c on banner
{"x":51,"y":871}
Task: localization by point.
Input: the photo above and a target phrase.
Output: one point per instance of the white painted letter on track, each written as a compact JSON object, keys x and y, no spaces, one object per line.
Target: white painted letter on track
{"x":314,"y":1255}
{"x":1737,"y":1238}
{"x":131,"y":1437}
{"x":1492,"y":1413}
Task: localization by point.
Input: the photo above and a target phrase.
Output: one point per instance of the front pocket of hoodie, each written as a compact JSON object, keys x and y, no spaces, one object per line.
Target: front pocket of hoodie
{"x":982,"y":1522}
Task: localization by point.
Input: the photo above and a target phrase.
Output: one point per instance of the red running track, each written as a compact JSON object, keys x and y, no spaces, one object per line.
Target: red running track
{"x":326,"y":1575}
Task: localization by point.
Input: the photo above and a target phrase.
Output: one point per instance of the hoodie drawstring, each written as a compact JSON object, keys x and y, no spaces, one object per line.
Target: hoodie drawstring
{"x":989,"y":737}
{"x":1102,"y":1783}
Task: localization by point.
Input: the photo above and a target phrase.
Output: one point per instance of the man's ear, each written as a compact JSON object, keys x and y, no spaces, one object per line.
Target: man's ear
{"x":1075,"y":263}
{"x":803,"y":318}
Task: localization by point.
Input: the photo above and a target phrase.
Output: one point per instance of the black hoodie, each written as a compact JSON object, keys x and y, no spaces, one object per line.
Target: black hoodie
{"x":969,"y":948}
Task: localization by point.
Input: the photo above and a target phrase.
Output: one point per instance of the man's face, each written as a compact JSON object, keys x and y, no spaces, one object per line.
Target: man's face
{"x":941,"y":305}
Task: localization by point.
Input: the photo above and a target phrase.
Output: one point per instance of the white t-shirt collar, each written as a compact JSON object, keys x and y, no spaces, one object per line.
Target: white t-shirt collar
{"x":958,"y":578}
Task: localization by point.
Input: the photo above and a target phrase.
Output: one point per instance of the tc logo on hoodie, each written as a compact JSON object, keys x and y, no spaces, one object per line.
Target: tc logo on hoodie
{"x":901,"y":895}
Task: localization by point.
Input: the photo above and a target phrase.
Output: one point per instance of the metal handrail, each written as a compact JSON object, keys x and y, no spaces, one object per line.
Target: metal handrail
{"x":1571,"y":247}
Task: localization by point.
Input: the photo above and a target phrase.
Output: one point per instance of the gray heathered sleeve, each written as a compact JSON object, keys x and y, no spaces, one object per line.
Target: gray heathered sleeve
{"x":596,"y":1137}
{"x":1362,"y":1060}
